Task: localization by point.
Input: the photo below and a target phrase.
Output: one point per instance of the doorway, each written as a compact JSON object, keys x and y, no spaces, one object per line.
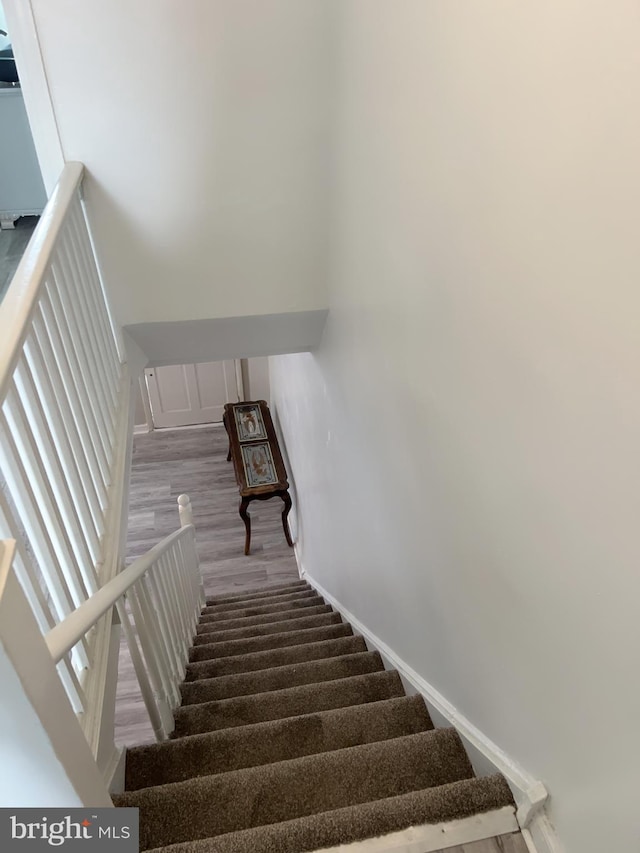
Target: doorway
{"x":191,"y":394}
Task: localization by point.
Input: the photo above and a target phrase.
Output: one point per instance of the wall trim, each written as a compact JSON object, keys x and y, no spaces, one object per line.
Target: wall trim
{"x":540,"y":836}
{"x":433,"y":837}
{"x":529,"y":793}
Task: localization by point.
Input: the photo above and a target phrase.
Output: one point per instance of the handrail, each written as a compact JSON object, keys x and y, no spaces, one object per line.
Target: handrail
{"x":77,"y":624}
{"x":21,"y":299}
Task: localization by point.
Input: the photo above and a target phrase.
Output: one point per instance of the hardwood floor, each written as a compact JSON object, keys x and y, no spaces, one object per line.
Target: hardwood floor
{"x":193,"y":461}
{"x":13,"y":242}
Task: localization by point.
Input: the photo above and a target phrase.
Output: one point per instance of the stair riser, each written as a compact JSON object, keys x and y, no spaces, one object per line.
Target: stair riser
{"x":274,"y":657}
{"x":207,"y":690}
{"x":280,"y":740}
{"x":270,"y":628}
{"x":271,"y":641}
{"x":276,"y":705}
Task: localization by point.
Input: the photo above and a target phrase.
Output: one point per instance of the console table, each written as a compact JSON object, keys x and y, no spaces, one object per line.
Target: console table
{"x":257,"y":460}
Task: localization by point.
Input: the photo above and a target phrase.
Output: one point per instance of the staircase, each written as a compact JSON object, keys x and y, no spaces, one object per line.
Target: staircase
{"x":293,"y":737}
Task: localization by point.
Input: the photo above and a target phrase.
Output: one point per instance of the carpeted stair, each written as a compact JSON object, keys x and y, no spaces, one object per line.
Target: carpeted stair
{"x":292,"y":737}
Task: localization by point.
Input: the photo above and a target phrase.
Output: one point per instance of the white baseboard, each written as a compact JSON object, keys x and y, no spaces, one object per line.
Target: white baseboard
{"x":540,"y":836}
{"x":529,"y":793}
{"x":428,"y":838}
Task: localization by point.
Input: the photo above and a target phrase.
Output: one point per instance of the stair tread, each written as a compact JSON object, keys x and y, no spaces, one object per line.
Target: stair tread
{"x":305,"y":621}
{"x":290,"y":702}
{"x":264,"y":619}
{"x":256,"y":592}
{"x":365,"y":820}
{"x":270,"y":793}
{"x":259,"y":610}
{"x":280,"y":677}
{"x":274,"y":740}
{"x":270,"y":641}
{"x":255,"y":661}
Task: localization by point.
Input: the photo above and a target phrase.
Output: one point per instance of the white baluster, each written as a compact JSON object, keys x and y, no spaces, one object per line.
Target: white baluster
{"x":160,"y":726}
{"x":164,"y":630}
{"x":165,"y":565}
{"x":67,"y":440}
{"x":77,"y":337}
{"x":91,"y":284}
{"x":77,"y":287}
{"x":149,"y":651}
{"x":50,"y":338}
{"x":150,"y":616}
{"x":23,"y":567}
{"x":57,"y":476}
{"x":69,"y":337}
{"x":43,"y":488}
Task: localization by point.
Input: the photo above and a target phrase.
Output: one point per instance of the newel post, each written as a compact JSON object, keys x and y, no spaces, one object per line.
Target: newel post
{"x":186,"y":518}
{"x":185,"y":510}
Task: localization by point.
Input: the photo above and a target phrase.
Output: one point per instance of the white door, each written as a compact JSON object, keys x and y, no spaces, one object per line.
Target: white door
{"x":187,"y":394}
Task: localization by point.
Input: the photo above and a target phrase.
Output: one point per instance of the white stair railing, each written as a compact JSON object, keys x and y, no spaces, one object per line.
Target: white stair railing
{"x":159,"y":598}
{"x":46,"y":759}
{"x":64,"y":432}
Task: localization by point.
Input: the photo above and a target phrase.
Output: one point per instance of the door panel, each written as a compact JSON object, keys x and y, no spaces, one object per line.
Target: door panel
{"x":188,"y":394}
{"x":173,"y":389}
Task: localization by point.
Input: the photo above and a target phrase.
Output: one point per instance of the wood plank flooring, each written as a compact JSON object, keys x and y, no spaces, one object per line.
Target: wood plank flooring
{"x":194,"y":461}
{"x":13,"y":242}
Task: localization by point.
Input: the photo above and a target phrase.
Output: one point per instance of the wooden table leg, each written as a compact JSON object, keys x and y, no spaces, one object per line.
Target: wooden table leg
{"x":244,"y":515}
{"x":226,"y":426}
{"x":286,"y":497}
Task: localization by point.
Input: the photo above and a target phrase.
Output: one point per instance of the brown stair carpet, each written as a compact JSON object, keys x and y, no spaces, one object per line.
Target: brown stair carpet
{"x":275,"y":657}
{"x":291,"y":737}
{"x":278,"y":616}
{"x":226,"y":648}
{"x":283,"y":598}
{"x":253,"y":594}
{"x":314,"y":621}
{"x":280,"y":677}
{"x":258,"y":609}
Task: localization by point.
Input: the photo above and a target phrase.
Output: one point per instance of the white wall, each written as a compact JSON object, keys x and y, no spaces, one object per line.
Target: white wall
{"x":464,"y":443}
{"x":5,"y":41}
{"x":258,"y":376}
{"x":204,"y":129}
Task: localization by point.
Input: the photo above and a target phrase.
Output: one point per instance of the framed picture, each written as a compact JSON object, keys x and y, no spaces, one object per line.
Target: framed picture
{"x":249,"y":423}
{"x":258,"y":464}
